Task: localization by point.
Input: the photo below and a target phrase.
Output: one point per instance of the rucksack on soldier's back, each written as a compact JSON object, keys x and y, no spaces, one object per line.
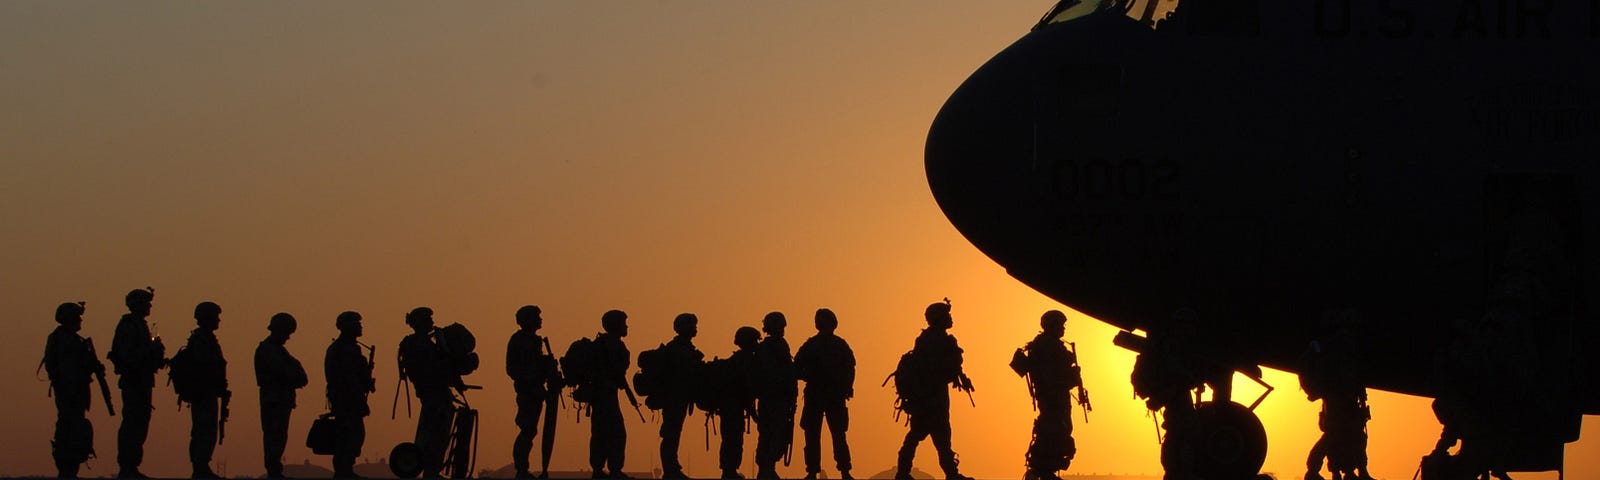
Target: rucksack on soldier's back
{"x":579,"y":365}
{"x":182,"y":372}
{"x":912,"y":381}
{"x":648,"y":381}
{"x":459,"y":344}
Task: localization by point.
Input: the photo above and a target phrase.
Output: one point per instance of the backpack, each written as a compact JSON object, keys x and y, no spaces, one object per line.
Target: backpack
{"x":719,"y":381}
{"x":459,"y":344}
{"x":651,"y":378}
{"x":579,"y":365}
{"x":912,"y":382}
{"x":182,"y":372}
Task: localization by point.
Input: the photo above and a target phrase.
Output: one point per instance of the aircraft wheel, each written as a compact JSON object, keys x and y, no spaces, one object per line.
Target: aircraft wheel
{"x":405,"y":461}
{"x":1229,"y":442}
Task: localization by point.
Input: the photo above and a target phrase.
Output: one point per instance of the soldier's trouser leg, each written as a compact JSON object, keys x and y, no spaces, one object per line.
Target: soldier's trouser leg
{"x":811,"y":427}
{"x":908,"y":449}
{"x":838,"y":417}
{"x":671,"y":433}
{"x":74,"y":435}
{"x":775,"y":431}
{"x":202,"y":432}
{"x":731,"y":454}
{"x":529,"y":406}
{"x":274,"y":436}
{"x":136,"y":410}
{"x":1052,"y":447}
{"x":351,"y":431}
{"x":607,"y":435}
{"x":433,"y":431}
{"x":940,"y":431}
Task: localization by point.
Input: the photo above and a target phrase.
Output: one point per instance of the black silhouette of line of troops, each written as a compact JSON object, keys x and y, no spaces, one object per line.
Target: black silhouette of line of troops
{"x":757,"y":382}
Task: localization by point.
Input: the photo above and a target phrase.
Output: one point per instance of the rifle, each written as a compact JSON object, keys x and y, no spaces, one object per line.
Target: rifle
{"x":965,"y":384}
{"x":633,"y":400}
{"x":100,"y":376}
{"x":552,"y":405}
{"x":222,"y":420}
{"x":1083,"y":393}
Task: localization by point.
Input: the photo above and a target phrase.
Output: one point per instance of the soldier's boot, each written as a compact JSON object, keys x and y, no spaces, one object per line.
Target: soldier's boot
{"x":524,"y":473}
{"x":902,"y":470}
{"x":67,"y":468}
{"x":674,"y":475}
{"x":845,"y":475}
{"x":811,"y":476}
{"x":731,"y":475}
{"x":1313,"y":475}
{"x":767,"y":472}
{"x":130,"y":472}
{"x":202,"y":470}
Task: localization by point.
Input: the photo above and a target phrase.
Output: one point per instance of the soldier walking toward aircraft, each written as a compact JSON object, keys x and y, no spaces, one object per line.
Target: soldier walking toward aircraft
{"x":776,"y":394}
{"x":70,"y":362}
{"x":1165,"y":375}
{"x":733,"y":383}
{"x":682,"y":360}
{"x":531,"y":369}
{"x":136,"y":355}
{"x":200,"y":377}
{"x":936,"y":366}
{"x":608,"y":436}
{"x":349,"y":376}
{"x":1052,"y":373}
{"x":424,"y":363}
{"x":278,"y":375}
{"x":1330,"y":373}
{"x":828,"y":366}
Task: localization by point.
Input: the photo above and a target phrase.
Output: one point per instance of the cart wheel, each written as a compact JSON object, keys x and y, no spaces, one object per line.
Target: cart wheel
{"x":405,"y":461}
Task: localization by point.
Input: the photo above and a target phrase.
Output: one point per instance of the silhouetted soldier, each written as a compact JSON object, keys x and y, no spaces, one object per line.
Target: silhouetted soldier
{"x":1052,"y":371}
{"x":1329,"y":373}
{"x":531,"y":370}
{"x":349,"y":376}
{"x":201,"y":380}
{"x":70,"y":362}
{"x":608,"y":437}
{"x":136,"y":355}
{"x":775,"y":396}
{"x":828,"y":366}
{"x":940,"y":357}
{"x":278,"y":375}
{"x":1165,"y":374}
{"x":736,"y":378}
{"x":425,"y":364}
{"x":682,"y":359}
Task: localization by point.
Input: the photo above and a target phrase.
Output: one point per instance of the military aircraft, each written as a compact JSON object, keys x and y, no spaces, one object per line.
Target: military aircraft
{"x":1431,"y":166}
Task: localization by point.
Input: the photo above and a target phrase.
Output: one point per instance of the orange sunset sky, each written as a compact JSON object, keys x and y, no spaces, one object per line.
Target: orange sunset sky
{"x":717,"y":157}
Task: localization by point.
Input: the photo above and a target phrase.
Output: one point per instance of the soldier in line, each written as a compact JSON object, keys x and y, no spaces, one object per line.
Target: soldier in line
{"x":940,"y":358}
{"x":1166,"y":374}
{"x":1330,"y":374}
{"x":70,"y":362}
{"x":278,"y":375}
{"x":1052,"y":372}
{"x":208,"y":394}
{"x":682,"y":358}
{"x":608,"y":437}
{"x":349,"y":376}
{"x":828,"y":366}
{"x":424,"y":363}
{"x":136,"y":355}
{"x":775,"y":397}
{"x":736,"y":398}
{"x":531,"y":371}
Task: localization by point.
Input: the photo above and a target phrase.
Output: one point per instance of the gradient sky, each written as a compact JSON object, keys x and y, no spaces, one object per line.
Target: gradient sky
{"x":716,"y":157}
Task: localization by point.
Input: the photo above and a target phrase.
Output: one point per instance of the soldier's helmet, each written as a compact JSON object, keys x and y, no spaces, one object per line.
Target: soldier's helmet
{"x":826,"y":320}
{"x":67,"y":312}
{"x":282,"y":322}
{"x":937,"y":313}
{"x":685,"y":323}
{"x":420,"y":316}
{"x":773,"y":320}
{"x":746,"y":336}
{"x":347,"y":320}
{"x":139,"y":297}
{"x":1052,"y":318}
{"x":207,"y":310}
{"x":614,"y":321}
{"x":527,"y":314}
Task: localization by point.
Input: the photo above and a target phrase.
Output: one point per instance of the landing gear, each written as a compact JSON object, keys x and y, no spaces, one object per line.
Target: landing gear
{"x":1224,"y":441}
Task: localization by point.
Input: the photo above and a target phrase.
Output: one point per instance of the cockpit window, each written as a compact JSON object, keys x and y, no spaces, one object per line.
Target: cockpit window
{"x":1146,"y":11}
